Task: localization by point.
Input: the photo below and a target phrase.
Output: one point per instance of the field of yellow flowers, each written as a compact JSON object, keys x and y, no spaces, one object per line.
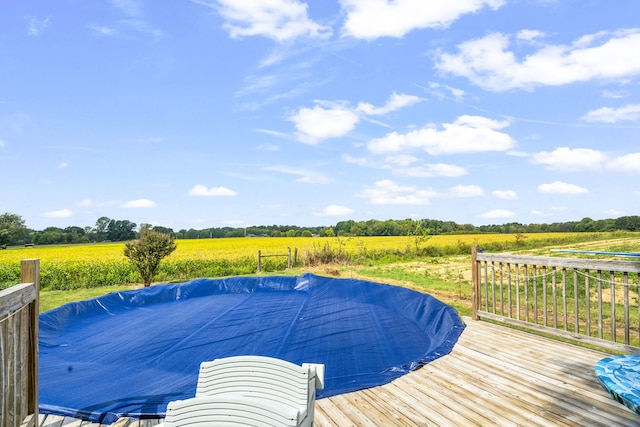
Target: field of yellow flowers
{"x":93,"y":265}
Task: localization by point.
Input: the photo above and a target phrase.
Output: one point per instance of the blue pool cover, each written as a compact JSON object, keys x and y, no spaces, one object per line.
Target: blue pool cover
{"x":130,"y":353}
{"x":620,"y":377}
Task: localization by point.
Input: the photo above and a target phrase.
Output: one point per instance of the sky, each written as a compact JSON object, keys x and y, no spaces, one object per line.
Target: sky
{"x":214,"y":113}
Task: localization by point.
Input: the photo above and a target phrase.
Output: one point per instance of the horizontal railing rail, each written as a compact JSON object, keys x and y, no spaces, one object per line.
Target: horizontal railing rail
{"x":587,"y":300}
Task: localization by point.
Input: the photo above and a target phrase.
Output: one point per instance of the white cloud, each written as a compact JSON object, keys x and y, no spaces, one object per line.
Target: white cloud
{"x":129,"y":7}
{"x":334,"y":210}
{"x":102,"y":30}
{"x":498,"y":214}
{"x":370,"y":19}
{"x":201,"y":190}
{"x":85,"y":203}
{"x":336,"y":119}
{"x":62,"y":213}
{"x":617,"y":94}
{"x":395,"y":102}
{"x":306,"y":176}
{"x":139,"y":203}
{"x":552,"y":211}
{"x":560,"y":187}
{"x":468,"y":134}
{"x":529,"y":35}
{"x":629,"y":112}
{"x":36,"y":27}
{"x":268,"y":147}
{"x":360,"y":161}
{"x":2,"y":143}
{"x":628,"y":163}
{"x":465,"y":191}
{"x":505,"y":194}
{"x":401,"y":159}
{"x":536,"y":212}
{"x":488,"y":62}
{"x":584,"y":159}
{"x":431,"y":170}
{"x":280,"y":20}
{"x":142,"y":27}
{"x":274,"y":133}
{"x":317,"y":124}
{"x":443,"y":91}
{"x":571,"y":160}
{"x":613,"y":213}
{"x":387,"y":192}
{"x":63,"y":165}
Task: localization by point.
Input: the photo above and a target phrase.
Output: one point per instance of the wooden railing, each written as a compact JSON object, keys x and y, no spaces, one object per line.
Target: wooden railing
{"x":290,"y":262}
{"x":19,"y":313}
{"x":586,"y":300}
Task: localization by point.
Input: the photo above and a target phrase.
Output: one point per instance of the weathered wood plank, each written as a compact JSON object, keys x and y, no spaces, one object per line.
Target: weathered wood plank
{"x":589,"y":264}
{"x":16,"y":297}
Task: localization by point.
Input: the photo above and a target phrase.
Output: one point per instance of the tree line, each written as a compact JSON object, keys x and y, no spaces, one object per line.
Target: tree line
{"x":13,"y":230}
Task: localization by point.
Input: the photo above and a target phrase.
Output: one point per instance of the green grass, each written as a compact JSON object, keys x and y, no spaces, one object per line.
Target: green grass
{"x":50,"y":299}
{"x":449,"y":288}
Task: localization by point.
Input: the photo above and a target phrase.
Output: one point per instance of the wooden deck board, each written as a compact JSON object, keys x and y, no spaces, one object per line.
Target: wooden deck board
{"x":493,"y":376}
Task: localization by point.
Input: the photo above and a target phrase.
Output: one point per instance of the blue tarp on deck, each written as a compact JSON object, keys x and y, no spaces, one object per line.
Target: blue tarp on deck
{"x":130,"y":353}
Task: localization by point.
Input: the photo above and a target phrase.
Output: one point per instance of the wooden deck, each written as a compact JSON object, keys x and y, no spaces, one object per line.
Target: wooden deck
{"x":495,"y":376}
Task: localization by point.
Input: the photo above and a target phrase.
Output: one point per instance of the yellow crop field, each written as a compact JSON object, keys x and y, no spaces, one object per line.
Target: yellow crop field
{"x":233,"y":248}
{"x":91,"y":265}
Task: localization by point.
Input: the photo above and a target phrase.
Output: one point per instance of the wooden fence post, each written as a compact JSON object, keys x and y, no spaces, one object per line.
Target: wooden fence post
{"x":259,"y":261}
{"x":475,"y":280}
{"x":30,"y":273}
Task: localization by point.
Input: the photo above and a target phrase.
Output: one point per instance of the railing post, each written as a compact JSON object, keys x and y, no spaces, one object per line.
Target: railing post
{"x":259,"y":261}
{"x":30,"y":273}
{"x":475,"y":279}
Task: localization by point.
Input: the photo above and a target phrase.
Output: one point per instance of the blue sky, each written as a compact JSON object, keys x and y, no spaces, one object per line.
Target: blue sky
{"x":212,"y":113}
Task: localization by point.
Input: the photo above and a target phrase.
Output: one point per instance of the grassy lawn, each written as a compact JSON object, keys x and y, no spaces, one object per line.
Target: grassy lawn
{"x":50,"y":299}
{"x":443,"y":278}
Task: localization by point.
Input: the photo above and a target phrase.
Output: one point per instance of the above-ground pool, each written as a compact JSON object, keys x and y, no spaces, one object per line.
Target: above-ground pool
{"x":130,"y":353}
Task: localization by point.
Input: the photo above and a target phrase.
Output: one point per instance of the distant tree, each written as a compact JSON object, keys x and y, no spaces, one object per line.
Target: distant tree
{"x":50,"y":236}
{"x":343,"y":228}
{"x":102,"y":224}
{"x":630,"y":223}
{"x":119,"y":230}
{"x":586,"y":225}
{"x":144,"y":226}
{"x":164,"y":230}
{"x":12,"y":229}
{"x":147,"y":252}
{"x":327,"y":232}
{"x":75,"y":234}
{"x":306,"y":233}
{"x":291,"y":233}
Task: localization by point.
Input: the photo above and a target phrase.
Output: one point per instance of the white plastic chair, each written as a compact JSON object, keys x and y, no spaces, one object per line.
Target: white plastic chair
{"x":228,"y":411}
{"x":264,"y":378}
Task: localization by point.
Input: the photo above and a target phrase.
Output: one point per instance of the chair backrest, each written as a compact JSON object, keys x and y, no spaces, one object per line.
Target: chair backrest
{"x":229,"y":410}
{"x":267,"y":378}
